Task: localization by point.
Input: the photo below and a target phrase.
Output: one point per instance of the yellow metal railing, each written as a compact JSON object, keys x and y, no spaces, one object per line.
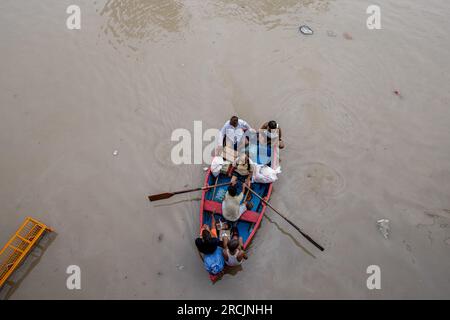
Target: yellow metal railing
{"x":19,"y":246}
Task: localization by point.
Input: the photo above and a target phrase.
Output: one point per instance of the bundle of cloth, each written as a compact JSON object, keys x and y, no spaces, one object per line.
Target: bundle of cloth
{"x":262,"y":173}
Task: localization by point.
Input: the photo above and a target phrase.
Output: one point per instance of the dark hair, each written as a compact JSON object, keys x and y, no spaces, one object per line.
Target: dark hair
{"x":206,"y":235}
{"x":272,"y":124}
{"x":232,"y":191}
{"x":233,"y":245}
{"x":234,"y":119}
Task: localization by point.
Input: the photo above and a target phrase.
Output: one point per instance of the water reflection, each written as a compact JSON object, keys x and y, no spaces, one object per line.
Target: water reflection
{"x":131,"y":22}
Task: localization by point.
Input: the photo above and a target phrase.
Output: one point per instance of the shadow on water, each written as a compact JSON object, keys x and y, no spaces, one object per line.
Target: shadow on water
{"x":290,"y":236}
{"x":27,"y":265}
{"x":129,"y":23}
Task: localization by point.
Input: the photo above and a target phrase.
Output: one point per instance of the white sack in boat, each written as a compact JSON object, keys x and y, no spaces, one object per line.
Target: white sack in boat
{"x":216,"y":165}
{"x":265,"y":174}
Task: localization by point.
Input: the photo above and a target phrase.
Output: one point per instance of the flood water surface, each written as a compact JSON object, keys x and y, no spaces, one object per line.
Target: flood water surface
{"x":87,"y":116}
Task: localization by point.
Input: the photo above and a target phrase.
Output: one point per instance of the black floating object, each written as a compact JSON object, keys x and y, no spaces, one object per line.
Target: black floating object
{"x":306,"y":30}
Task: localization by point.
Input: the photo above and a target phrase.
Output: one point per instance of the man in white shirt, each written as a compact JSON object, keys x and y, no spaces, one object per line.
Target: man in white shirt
{"x":233,"y":132}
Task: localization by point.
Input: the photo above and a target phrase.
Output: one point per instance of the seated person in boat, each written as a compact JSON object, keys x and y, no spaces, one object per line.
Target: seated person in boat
{"x":233,"y":251}
{"x":208,"y":241}
{"x":272,"y":131}
{"x":242,"y":171}
{"x":232,"y":133}
{"x":232,"y":209}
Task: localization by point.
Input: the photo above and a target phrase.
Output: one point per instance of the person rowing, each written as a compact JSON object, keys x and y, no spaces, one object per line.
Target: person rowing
{"x":232,"y":208}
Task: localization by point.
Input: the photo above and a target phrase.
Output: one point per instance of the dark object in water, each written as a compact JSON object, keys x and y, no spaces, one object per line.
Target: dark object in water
{"x":347,"y":36}
{"x":306,"y":30}
{"x":397,"y":93}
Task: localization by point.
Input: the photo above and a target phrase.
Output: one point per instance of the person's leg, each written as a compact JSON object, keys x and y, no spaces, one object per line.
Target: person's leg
{"x":213,"y":226}
{"x":225,"y":242}
{"x":234,"y":231}
{"x":241,"y":243}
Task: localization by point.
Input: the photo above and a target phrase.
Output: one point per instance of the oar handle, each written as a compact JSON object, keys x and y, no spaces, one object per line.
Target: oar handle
{"x":318,"y":246}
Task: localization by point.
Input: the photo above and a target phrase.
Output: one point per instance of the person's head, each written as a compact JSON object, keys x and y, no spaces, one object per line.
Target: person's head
{"x":234,"y":121}
{"x":206,"y":235}
{"x":232,"y":191}
{"x":233,"y":245}
{"x":272,"y":125}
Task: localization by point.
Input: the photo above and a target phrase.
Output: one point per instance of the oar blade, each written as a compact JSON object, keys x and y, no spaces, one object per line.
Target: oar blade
{"x":160,"y":196}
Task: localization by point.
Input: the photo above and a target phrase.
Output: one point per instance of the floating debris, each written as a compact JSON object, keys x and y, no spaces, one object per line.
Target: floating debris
{"x":180,"y":267}
{"x":347,"y":36}
{"x":383,"y":226}
{"x":398,"y":94}
{"x":115,"y":153}
{"x":205,"y":169}
{"x":306,"y":30}
{"x":331,"y":34}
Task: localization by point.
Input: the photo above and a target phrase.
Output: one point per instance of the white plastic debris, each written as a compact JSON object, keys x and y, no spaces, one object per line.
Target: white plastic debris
{"x":383,"y":226}
{"x":115,"y":153}
{"x":180,"y":267}
{"x":205,"y":168}
{"x":331,"y":34}
{"x":306,"y":30}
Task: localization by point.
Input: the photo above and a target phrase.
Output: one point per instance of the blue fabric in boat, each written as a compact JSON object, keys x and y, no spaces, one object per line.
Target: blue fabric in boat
{"x":214,"y":262}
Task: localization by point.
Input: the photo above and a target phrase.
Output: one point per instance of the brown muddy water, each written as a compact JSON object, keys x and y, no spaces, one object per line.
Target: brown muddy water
{"x":137,"y":70}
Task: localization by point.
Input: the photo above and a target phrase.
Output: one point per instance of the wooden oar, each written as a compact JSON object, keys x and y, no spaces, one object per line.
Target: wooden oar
{"x":167,"y":195}
{"x":289,"y":221}
{"x":214,"y":191}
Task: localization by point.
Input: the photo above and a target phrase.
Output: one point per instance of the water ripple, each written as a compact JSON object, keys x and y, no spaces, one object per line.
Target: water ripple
{"x":132,"y":22}
{"x":269,"y":13}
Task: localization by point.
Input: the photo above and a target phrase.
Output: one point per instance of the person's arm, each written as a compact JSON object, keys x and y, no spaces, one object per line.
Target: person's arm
{"x":248,"y":181}
{"x":241,"y":246}
{"x":243,"y":255}
{"x":264,"y":126}
{"x":225,"y":242}
{"x":244,"y":124}
{"x":225,"y":254}
{"x":222,"y":133}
